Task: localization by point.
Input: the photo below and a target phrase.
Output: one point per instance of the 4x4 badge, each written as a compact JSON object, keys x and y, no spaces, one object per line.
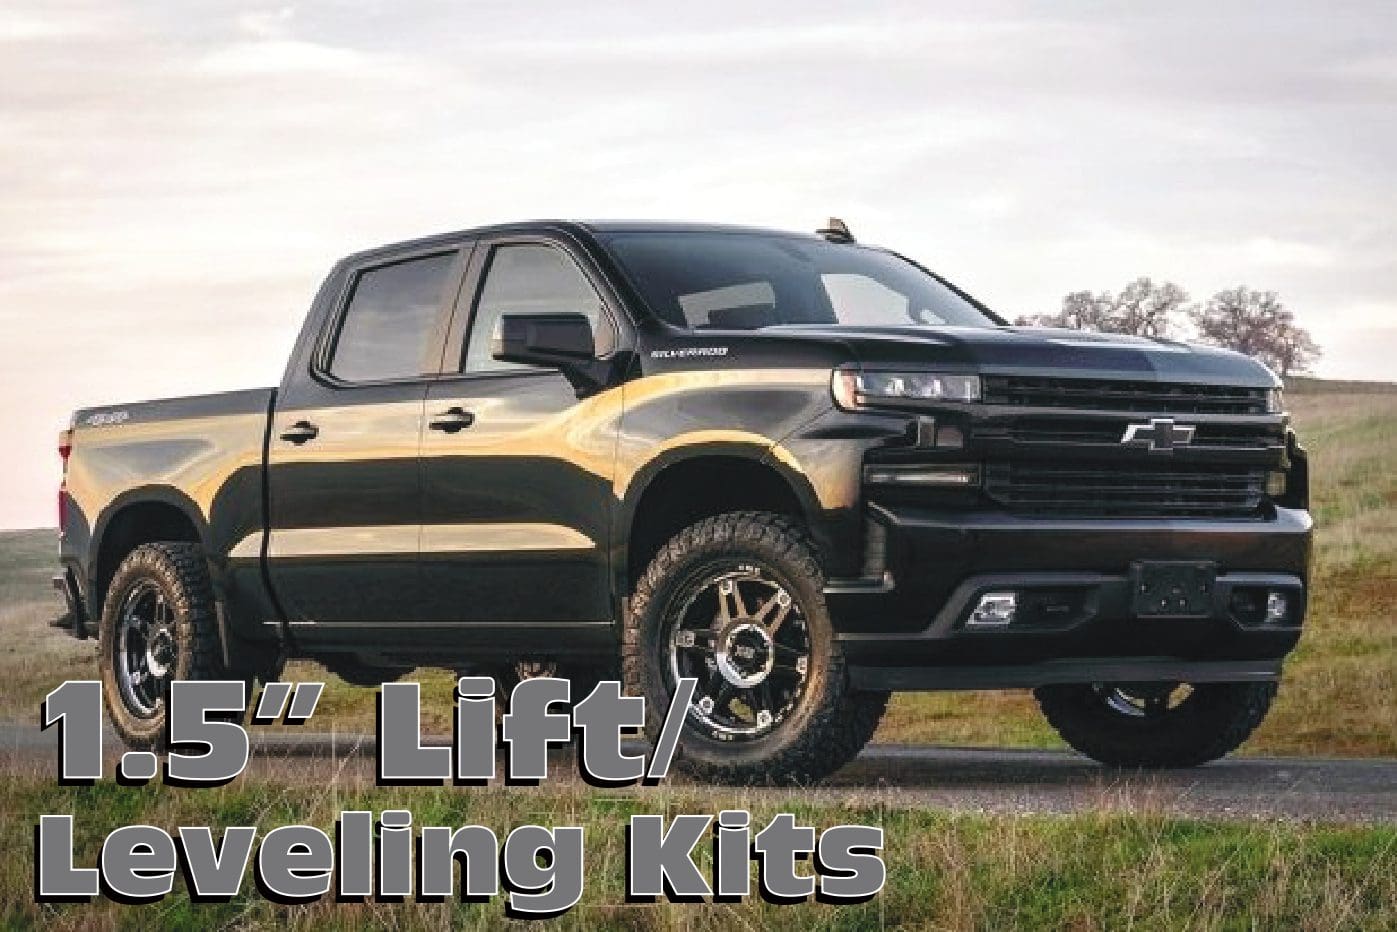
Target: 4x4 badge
{"x":1161,"y":433}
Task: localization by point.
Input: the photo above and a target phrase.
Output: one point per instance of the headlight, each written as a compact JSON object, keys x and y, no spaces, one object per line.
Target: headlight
{"x":1275,"y":401}
{"x":857,"y":389}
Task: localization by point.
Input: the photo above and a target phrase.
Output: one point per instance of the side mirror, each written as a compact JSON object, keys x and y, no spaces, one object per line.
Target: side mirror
{"x":559,"y":340}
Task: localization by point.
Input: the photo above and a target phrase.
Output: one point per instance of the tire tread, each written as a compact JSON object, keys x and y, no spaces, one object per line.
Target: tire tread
{"x":1224,"y":716}
{"x":182,"y":567}
{"x":843,"y":722}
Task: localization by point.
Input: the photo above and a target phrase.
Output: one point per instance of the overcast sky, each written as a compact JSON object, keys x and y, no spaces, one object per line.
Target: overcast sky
{"x":175,"y":177}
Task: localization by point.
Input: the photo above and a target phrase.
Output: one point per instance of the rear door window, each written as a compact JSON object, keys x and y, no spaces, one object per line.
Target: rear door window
{"x":391,"y":320}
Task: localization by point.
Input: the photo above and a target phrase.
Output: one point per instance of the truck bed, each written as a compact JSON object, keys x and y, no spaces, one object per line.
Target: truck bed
{"x":202,"y":455}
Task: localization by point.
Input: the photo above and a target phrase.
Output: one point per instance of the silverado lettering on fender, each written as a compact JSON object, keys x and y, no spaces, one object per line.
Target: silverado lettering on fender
{"x":804,"y":471}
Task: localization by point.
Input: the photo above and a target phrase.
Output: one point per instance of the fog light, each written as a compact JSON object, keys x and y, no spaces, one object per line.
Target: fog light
{"x":1277,"y":606}
{"x":1275,"y":484}
{"x":996,"y":609}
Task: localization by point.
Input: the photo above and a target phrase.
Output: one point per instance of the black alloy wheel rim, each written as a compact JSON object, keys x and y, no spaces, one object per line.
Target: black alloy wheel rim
{"x":740,"y":633}
{"x":145,"y":649}
{"x":1143,"y":701}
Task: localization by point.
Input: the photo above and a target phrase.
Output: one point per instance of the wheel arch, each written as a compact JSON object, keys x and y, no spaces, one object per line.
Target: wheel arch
{"x":714,"y":478}
{"x":139,"y":516}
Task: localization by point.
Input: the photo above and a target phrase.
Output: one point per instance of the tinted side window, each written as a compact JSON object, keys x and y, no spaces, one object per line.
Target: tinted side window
{"x":530,"y":279}
{"x":392,"y":315}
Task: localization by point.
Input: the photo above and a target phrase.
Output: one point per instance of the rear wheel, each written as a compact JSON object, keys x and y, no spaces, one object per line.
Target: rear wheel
{"x":583,"y":678}
{"x":158,"y":624}
{"x":1156,"y":725}
{"x":736,"y":602}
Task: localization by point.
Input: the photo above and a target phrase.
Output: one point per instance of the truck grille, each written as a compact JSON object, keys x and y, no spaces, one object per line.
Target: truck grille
{"x":1068,"y":432}
{"x":1123,"y":395}
{"x":1164,"y":491}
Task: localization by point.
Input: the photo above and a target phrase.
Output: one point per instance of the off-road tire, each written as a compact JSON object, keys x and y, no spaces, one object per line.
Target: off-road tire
{"x":830,"y":723}
{"x":181,"y":574}
{"x":1211,"y":722}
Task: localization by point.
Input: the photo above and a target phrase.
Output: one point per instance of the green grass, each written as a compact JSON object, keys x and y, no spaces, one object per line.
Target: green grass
{"x":1340,"y":691}
{"x":945,"y":871}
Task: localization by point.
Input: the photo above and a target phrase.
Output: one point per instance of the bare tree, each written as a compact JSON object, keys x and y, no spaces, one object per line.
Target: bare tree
{"x":1143,"y":308}
{"x":1258,"y":324}
{"x":1296,"y":350}
{"x":1082,"y":310}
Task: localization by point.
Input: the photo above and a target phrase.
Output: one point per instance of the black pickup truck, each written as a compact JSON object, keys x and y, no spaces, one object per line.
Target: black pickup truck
{"x":804,"y":471}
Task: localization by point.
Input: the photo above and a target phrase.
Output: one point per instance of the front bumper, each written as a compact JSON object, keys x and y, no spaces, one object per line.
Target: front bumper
{"x":939,"y":563}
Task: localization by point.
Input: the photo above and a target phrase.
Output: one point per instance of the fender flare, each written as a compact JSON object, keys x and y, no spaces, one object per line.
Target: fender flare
{"x":141,"y":495}
{"x":680,"y":451}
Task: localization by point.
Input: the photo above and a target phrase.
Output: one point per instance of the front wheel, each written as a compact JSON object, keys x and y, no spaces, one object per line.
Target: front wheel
{"x":1156,"y":725}
{"x":736,"y":602}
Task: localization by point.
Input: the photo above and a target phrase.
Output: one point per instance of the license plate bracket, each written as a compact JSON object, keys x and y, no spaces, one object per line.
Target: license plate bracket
{"x":1172,"y":589}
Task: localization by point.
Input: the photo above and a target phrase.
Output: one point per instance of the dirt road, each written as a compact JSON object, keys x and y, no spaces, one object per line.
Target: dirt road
{"x":958,"y":779}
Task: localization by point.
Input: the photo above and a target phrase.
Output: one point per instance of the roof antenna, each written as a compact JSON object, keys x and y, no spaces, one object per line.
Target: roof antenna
{"x":836,"y":231}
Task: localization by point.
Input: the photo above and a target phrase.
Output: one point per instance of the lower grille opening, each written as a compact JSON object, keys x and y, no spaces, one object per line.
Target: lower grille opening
{"x":1158,"y":491}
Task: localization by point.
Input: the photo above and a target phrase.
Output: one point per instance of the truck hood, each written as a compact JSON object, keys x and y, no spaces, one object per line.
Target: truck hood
{"x":1041,"y":350}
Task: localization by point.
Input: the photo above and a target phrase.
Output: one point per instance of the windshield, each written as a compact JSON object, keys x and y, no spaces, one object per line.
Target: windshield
{"x":743,"y":281}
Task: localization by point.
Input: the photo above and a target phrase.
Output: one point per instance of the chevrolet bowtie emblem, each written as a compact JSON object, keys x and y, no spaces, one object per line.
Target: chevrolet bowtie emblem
{"x":1161,"y":434}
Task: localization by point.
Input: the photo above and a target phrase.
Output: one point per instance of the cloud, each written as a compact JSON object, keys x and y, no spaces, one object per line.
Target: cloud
{"x":267,"y":24}
{"x":834,"y":43}
{"x":19,"y":26}
{"x":177,"y":176}
{"x":1269,"y":251}
{"x":279,"y":57}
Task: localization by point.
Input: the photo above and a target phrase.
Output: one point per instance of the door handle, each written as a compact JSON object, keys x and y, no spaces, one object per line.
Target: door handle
{"x":299,"y":432}
{"x":452,"y":420}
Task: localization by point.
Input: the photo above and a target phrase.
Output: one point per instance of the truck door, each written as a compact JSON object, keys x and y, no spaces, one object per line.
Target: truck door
{"x":344,"y":479}
{"x":517,"y":468}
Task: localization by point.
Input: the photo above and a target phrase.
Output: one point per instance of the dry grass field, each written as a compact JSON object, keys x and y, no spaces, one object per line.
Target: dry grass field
{"x":34,"y":657}
{"x":1339,"y":696}
{"x":1104,"y":870}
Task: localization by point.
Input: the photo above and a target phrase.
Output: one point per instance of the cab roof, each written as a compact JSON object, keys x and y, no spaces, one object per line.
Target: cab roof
{"x":574,"y":227}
